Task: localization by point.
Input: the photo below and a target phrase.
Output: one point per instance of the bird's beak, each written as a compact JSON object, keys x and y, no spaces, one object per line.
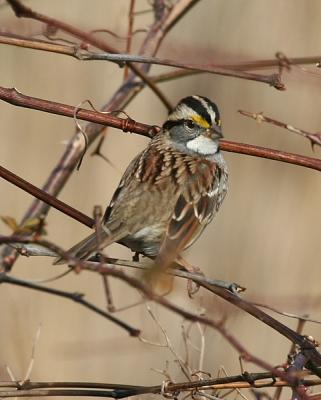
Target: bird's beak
{"x":215,"y":132}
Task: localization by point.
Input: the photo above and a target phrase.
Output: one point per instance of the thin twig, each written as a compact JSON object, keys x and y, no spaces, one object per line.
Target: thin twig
{"x":107,"y":290}
{"x":124,"y":59}
{"x":129,"y":32}
{"x":97,"y":214}
{"x":287,"y":314}
{"x":32,"y":359}
{"x":314,"y":138}
{"x":76,"y":297}
{"x":183,"y":366}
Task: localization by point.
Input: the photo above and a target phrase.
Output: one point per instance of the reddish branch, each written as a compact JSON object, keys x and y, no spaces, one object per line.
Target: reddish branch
{"x":46,"y":197}
{"x":14,"y":97}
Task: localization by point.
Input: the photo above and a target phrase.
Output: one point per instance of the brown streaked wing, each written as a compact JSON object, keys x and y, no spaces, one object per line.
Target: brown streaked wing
{"x":193,"y":210}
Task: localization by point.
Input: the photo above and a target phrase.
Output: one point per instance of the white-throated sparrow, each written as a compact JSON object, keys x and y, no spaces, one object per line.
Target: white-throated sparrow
{"x":171,"y":190}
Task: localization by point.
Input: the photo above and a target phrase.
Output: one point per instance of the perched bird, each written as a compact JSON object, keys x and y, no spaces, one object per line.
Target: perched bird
{"x":170,"y":191}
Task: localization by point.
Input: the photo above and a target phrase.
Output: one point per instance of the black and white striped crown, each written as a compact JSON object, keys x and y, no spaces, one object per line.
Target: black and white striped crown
{"x":197,"y":108}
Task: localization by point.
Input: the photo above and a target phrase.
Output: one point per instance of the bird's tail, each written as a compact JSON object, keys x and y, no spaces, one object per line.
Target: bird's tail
{"x":88,"y":246}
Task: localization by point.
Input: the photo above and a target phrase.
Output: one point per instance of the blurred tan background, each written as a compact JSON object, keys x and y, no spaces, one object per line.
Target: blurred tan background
{"x":266,"y":236}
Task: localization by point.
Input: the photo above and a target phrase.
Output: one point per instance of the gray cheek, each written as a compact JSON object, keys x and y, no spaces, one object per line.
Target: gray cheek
{"x":181,"y":135}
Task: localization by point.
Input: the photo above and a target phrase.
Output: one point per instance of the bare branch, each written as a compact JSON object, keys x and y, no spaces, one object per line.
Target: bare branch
{"x":12,"y":96}
{"x":47,"y":198}
{"x":315,"y":138}
{"x":122,"y":59}
{"x":126,"y":59}
{"x":248,"y":380}
{"x":76,"y":297}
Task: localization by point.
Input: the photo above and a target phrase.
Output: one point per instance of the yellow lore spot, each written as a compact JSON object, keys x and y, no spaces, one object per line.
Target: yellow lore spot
{"x":200,"y":121}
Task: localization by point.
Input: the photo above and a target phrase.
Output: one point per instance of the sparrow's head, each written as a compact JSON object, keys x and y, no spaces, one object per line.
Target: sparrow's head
{"x":195,"y":126}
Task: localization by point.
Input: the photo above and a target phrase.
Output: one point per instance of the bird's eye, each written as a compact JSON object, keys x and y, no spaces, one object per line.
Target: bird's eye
{"x":189,"y":124}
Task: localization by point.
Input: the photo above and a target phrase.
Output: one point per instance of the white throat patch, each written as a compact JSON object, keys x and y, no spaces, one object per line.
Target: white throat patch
{"x":202,"y":145}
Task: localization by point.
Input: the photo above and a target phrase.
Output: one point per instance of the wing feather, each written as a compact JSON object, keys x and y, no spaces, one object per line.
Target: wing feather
{"x":194,"y":209}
